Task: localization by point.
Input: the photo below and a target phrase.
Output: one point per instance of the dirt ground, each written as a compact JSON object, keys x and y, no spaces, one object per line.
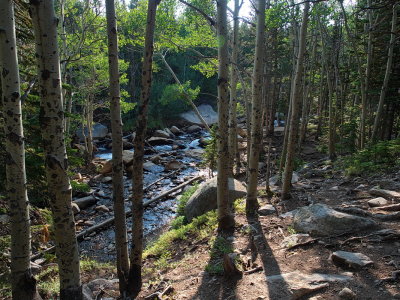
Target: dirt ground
{"x":189,"y":280}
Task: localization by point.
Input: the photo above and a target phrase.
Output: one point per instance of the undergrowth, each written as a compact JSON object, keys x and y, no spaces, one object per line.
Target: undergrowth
{"x":382,"y":156}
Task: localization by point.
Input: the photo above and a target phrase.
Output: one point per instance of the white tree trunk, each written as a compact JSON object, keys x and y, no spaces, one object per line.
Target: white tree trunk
{"x":121,"y":239}
{"x":225,"y":216}
{"x":51,"y":121}
{"x":23,"y":284}
{"x":256,"y":117}
{"x":135,"y":271}
{"x":296,"y":96}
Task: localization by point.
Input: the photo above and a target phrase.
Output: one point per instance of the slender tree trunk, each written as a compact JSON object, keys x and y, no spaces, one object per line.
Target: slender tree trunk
{"x":135,"y":271}
{"x":382,"y":95}
{"x":89,"y":126}
{"x":121,"y":239}
{"x":178,"y":82}
{"x":233,"y":94}
{"x":256,"y":132}
{"x":51,"y":121}
{"x":367,"y":77}
{"x":296,"y":96}
{"x":225,"y":216}
{"x":23,"y":284}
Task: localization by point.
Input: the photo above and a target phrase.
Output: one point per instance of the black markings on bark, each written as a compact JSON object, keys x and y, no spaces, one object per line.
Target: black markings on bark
{"x":45,"y":74}
{"x":5,"y":72}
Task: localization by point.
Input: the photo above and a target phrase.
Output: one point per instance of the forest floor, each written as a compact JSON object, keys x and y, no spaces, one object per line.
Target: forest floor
{"x":188,"y":262}
{"x":194,"y":270}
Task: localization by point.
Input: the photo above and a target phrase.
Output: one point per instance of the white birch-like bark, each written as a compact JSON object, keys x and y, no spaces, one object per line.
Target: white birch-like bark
{"x":135,"y":271}
{"x":51,"y":122}
{"x":296,"y":96}
{"x":23,"y":284}
{"x":225,"y":216}
{"x":121,"y":238}
{"x":233,"y":145}
{"x":256,"y":117}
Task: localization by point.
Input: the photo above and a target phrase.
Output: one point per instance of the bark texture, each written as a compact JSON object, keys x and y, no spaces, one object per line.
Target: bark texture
{"x":296,"y":98}
{"x":233,"y":95}
{"x":256,"y":117}
{"x":225,"y":216}
{"x":135,"y":271}
{"x":121,"y":239}
{"x":51,"y":122}
{"x":382,"y":95}
{"x":23,"y":284}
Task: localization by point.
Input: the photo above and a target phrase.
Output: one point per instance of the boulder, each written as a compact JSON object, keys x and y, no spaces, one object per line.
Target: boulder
{"x":205,"y":198}
{"x":276,"y":180}
{"x":99,"y":131}
{"x":193,"y":128}
{"x":195,"y":153}
{"x":376,"y":202}
{"x":107,"y":167}
{"x":207,"y":112}
{"x":155,"y":141}
{"x":152,"y":167}
{"x":295,"y":285}
{"x":161,"y":133}
{"x":266,"y":210}
{"x":295,"y":239}
{"x":127,"y":157}
{"x":173,"y":165}
{"x":347,"y":294}
{"x":350,"y":259}
{"x":321,"y":220}
{"x":175,"y":130}
{"x":85,"y":202}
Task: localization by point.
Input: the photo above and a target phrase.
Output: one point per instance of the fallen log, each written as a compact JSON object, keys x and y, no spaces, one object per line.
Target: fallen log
{"x":392,"y":207}
{"x":392,"y":195}
{"x":110,"y":221}
{"x":85,"y":201}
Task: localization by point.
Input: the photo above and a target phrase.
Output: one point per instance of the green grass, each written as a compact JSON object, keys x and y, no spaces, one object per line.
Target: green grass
{"x":185,"y":198}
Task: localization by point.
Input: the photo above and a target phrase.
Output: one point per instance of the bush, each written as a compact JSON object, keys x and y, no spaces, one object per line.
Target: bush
{"x":375,"y":158}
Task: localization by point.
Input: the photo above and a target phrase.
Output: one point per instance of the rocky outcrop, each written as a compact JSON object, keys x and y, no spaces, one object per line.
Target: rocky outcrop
{"x":207,"y":112}
{"x":99,"y":131}
{"x":321,"y":220}
{"x":205,"y":198}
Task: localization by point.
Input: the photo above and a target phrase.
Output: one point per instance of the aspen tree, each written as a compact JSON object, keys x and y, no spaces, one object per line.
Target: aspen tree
{"x":296,"y":96}
{"x":225,"y":216}
{"x":121,"y":239}
{"x":256,"y":117}
{"x":135,"y":271}
{"x":51,"y":123}
{"x":23,"y":284}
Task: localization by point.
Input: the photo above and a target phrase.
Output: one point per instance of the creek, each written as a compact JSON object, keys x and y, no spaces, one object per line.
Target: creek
{"x":101,"y":245}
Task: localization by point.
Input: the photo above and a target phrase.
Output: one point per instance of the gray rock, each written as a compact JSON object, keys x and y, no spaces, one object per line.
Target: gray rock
{"x":295,"y":239}
{"x":266,"y":210}
{"x":102,"y":208}
{"x":98,"y":131}
{"x":127,"y":157}
{"x":206,"y":111}
{"x":321,"y":220}
{"x":106,"y":179}
{"x":205,"y":198}
{"x":294,"y":285}
{"x":35,"y":268}
{"x":347,"y":294}
{"x":195,"y":153}
{"x":376,"y":202}
{"x":173,"y":165}
{"x":276,"y":180}
{"x":161,"y":133}
{"x":193,"y":128}
{"x":87,"y":293}
{"x":155,"y":141}
{"x":4,"y":219}
{"x":351,"y":259}
{"x":175,"y":130}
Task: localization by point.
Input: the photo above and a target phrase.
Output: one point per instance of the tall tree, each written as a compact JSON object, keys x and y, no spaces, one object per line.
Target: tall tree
{"x":51,"y":122}
{"x":121,"y":239}
{"x":135,"y":271}
{"x":296,"y":96}
{"x":256,"y":132}
{"x":233,"y":145}
{"x":225,"y":216}
{"x":23,"y":283}
{"x":388,"y":70}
